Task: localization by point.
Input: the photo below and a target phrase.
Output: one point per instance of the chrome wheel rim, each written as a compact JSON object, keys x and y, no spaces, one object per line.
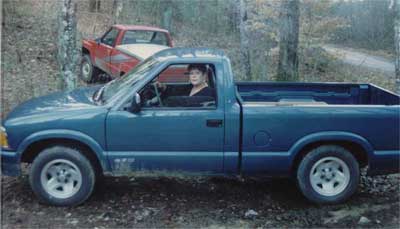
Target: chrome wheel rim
{"x":61,"y":178}
{"x":329,"y":176}
{"x":86,"y":70}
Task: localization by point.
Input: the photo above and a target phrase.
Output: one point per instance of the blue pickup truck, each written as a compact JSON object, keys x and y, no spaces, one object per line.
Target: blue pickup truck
{"x":320,"y":134}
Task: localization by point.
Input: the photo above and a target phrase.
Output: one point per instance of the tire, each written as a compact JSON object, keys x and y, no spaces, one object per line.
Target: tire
{"x":62,"y":176}
{"x":88,"y":72}
{"x":328,"y":174}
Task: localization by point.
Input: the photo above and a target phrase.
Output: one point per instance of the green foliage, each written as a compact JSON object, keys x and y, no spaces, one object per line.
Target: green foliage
{"x":369,"y":24}
{"x":318,"y":23}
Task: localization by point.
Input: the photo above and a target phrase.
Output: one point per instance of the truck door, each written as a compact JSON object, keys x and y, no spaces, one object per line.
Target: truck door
{"x":104,"y":50}
{"x":173,"y":131}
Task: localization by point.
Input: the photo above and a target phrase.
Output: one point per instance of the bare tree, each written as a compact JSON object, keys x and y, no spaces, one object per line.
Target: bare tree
{"x":68,"y":52}
{"x":116,"y":10}
{"x":94,"y":5}
{"x":244,"y":39}
{"x":289,"y":39}
{"x":167,"y":10}
{"x":395,"y":5}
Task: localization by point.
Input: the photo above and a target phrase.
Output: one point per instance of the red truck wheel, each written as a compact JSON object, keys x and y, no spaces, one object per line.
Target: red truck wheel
{"x":88,"y":71}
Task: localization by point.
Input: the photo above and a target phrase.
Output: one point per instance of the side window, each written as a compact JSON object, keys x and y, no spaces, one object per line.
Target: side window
{"x":110,"y":37}
{"x":181,"y":86}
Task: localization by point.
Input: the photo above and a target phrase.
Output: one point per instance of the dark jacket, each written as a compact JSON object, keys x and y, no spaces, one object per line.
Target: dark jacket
{"x":207,"y":91}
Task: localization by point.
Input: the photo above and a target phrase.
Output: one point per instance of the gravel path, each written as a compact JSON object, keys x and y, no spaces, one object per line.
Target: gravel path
{"x":156,"y":202}
{"x":361,"y":59}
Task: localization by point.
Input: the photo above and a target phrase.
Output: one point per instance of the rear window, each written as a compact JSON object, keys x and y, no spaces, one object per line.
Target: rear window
{"x":144,"y":37}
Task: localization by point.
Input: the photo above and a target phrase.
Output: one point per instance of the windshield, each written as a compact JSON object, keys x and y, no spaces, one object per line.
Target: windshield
{"x":111,"y":88}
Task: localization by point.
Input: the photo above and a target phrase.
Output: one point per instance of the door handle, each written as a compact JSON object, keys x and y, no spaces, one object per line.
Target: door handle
{"x":214,"y":122}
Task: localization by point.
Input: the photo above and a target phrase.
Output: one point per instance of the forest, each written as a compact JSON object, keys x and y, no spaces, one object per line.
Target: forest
{"x":255,"y":35}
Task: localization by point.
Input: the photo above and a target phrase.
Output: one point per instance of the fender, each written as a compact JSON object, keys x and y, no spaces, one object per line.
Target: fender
{"x":65,"y":134}
{"x":330,"y":136}
{"x":88,"y":44}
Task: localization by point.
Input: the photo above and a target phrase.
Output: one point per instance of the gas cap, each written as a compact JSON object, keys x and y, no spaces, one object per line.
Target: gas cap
{"x":262,"y":138}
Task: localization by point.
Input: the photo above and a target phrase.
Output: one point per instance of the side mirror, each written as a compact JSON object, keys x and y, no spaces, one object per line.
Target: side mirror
{"x":98,"y":41}
{"x":135,"y":105}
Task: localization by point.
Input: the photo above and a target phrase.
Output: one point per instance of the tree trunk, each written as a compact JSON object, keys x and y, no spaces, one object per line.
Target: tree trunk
{"x":289,"y":39}
{"x":244,"y":40}
{"x":94,"y":5}
{"x":397,"y":43}
{"x":166,"y":20}
{"x":116,"y":10}
{"x":68,"y":50}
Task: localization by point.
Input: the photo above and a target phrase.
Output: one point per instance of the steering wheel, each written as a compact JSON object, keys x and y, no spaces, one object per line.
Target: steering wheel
{"x":157,"y":93}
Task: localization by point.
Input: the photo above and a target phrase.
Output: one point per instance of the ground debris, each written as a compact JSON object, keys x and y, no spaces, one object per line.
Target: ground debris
{"x":364,"y":220}
{"x":140,"y":215}
{"x":250,"y":214}
{"x":268,"y":204}
{"x":353,"y":212}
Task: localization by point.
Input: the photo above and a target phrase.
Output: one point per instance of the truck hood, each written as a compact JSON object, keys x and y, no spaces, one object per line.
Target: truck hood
{"x":76,"y":99}
{"x":141,"y":51}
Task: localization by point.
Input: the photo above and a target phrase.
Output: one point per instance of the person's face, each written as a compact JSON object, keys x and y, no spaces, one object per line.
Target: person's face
{"x":196,"y":77}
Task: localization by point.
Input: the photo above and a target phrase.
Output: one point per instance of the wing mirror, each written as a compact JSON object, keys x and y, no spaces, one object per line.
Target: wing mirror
{"x":135,"y":105}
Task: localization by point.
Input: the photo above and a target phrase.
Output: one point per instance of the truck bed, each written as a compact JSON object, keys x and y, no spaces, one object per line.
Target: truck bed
{"x":315,"y":93}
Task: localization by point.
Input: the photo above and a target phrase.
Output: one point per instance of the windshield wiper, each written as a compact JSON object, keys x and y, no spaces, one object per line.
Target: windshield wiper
{"x":99,"y":94}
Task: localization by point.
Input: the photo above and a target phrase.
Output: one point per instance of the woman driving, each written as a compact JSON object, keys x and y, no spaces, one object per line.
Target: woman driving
{"x":198,"y":79}
{"x":198,"y":91}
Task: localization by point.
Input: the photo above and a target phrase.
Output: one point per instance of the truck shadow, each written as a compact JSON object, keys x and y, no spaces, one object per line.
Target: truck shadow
{"x":211,"y":191}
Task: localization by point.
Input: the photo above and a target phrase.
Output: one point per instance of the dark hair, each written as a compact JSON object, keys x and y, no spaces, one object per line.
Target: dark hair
{"x":200,"y":67}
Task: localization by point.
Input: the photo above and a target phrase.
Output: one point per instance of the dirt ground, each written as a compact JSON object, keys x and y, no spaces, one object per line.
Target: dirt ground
{"x":160,"y":202}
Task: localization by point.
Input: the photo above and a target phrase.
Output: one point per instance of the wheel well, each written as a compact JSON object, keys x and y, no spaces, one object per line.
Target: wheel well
{"x":357,"y":150}
{"x":35,"y":148}
{"x":85,"y":51}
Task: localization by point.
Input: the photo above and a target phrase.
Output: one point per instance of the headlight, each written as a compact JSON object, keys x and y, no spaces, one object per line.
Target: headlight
{"x":3,"y":138}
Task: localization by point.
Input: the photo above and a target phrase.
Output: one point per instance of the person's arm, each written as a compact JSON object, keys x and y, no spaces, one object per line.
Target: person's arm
{"x":161,"y":86}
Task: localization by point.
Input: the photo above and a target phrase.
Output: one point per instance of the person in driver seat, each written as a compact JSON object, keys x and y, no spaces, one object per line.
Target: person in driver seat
{"x":198,"y":89}
{"x":198,"y":75}
{"x":198,"y":79}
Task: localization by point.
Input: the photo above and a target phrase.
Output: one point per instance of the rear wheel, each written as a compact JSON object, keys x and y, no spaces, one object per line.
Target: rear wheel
{"x":62,"y":176}
{"x":328,"y":175}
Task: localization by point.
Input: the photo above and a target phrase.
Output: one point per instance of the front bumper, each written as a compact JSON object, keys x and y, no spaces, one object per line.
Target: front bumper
{"x":10,"y":165}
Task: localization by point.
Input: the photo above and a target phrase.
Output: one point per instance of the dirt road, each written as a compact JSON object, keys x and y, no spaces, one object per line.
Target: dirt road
{"x":207,"y":203}
{"x":361,"y":59}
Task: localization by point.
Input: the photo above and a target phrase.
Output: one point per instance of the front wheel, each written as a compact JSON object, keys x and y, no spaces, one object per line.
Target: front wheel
{"x":328,"y":174}
{"x":62,"y":176}
{"x":88,"y":72}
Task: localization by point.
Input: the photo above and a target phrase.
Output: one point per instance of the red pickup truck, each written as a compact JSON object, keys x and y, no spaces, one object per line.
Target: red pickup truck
{"x":120,"y":49}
